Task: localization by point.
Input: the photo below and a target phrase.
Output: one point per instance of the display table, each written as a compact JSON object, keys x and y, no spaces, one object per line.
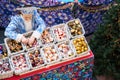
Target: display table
{"x":77,"y":68}
{"x":62,"y":53}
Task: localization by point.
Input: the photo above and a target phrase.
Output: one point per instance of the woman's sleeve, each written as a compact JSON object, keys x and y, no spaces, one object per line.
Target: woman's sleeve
{"x":11,"y":30}
{"x":41,"y":25}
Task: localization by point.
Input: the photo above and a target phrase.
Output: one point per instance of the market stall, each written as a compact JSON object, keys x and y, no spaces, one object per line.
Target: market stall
{"x":62,"y":52}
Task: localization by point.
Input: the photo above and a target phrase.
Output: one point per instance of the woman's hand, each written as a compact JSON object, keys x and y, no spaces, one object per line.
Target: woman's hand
{"x":31,"y":40}
{"x":24,"y":40}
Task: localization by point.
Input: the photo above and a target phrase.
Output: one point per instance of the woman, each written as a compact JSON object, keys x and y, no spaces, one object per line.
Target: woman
{"x":27,"y":20}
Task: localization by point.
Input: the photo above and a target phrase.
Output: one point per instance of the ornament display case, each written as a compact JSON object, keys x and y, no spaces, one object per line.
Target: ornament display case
{"x":54,"y":58}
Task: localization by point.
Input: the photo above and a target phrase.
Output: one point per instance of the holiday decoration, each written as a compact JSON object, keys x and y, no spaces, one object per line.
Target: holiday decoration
{"x":75,"y":28}
{"x":50,"y":54}
{"x":13,"y":46}
{"x":5,"y":68}
{"x":106,"y":44}
{"x":19,"y":63}
{"x":80,"y":45}
{"x":60,"y":32}
{"x":35,"y":57}
{"x":46,"y":36}
{"x":65,"y":49}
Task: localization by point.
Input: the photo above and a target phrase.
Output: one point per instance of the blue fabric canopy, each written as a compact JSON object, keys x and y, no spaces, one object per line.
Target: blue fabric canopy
{"x":88,"y":19}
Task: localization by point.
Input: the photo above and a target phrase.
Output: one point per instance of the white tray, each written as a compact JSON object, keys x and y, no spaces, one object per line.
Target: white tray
{"x":40,"y":56}
{"x":60,"y":26}
{"x":88,"y":48}
{"x":67,"y":42}
{"x":9,"y":73}
{"x":56,"y":52}
{"x":50,"y":34}
{"x":83,"y":31}
{"x":17,"y":72}
{"x":8,"y":49}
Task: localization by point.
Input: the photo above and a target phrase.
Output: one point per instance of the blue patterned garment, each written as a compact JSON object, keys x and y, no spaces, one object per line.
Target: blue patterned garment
{"x":16,"y":26}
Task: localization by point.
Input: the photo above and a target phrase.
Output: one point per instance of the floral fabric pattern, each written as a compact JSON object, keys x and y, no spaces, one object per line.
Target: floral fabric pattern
{"x":80,"y":70}
{"x":89,"y":20}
